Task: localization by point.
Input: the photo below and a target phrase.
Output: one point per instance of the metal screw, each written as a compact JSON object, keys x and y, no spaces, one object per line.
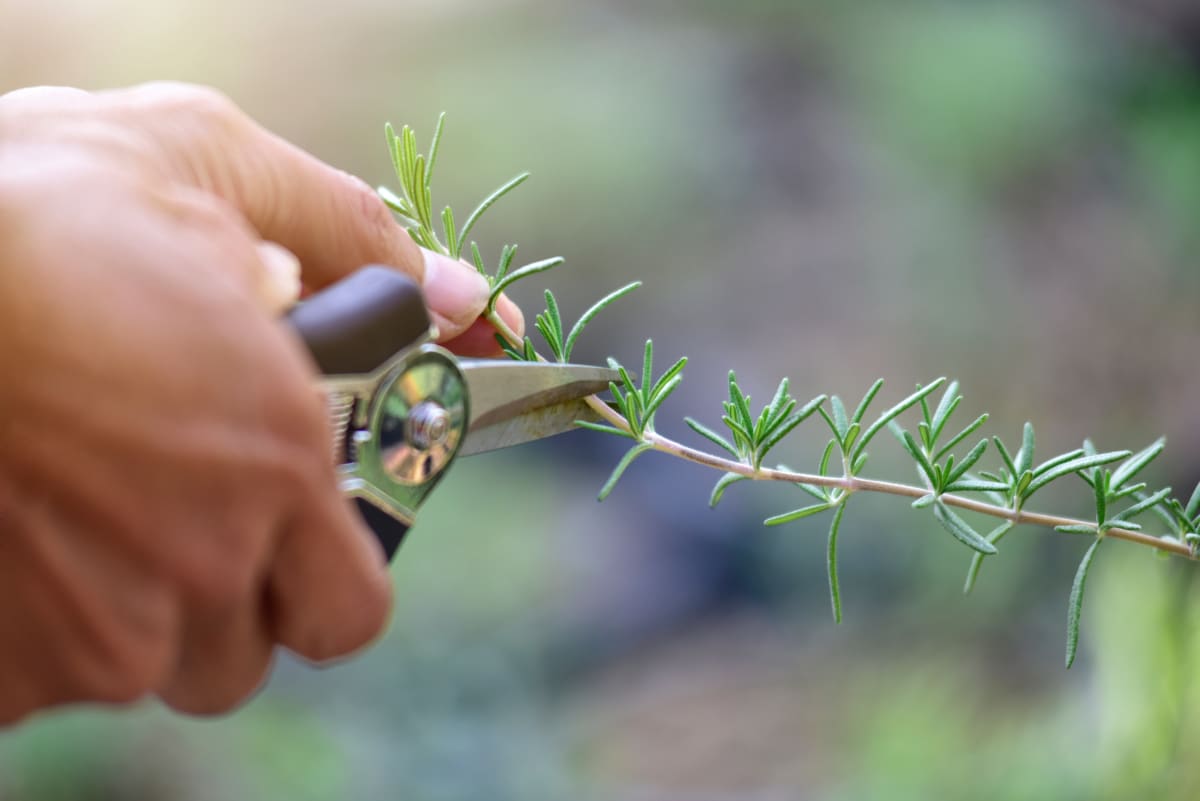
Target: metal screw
{"x":428,"y":424}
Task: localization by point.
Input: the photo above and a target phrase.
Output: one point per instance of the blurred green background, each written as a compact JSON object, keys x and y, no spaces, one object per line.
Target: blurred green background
{"x":1003,"y":192}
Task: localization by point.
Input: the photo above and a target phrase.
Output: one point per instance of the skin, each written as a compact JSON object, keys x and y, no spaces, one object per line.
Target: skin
{"x":168,"y":510}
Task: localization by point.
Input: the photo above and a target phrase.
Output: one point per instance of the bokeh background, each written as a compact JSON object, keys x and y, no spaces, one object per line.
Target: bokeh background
{"x":1003,"y":192}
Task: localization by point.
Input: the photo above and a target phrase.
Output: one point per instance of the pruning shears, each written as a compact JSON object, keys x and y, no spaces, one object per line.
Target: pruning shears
{"x":403,"y":409}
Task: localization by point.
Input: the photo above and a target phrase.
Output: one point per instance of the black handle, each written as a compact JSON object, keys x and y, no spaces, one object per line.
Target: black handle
{"x":387,"y":529}
{"x":354,"y":327}
{"x":357,"y":324}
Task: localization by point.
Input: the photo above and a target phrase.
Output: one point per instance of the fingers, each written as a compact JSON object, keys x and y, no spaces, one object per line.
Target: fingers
{"x":455,"y":293}
{"x":329,"y":592}
{"x":333,"y":222}
{"x":224,"y":657}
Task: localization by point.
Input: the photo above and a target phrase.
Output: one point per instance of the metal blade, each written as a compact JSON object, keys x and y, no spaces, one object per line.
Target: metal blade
{"x":503,"y":390}
{"x":539,"y":424}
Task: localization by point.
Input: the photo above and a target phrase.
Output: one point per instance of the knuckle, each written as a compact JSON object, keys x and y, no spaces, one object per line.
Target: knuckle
{"x":195,"y":100}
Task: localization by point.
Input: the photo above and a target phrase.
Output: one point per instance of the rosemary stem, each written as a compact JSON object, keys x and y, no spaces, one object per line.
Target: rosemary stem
{"x":850,"y":483}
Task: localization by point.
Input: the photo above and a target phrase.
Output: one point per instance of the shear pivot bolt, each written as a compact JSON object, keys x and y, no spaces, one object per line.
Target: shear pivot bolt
{"x":428,"y":424}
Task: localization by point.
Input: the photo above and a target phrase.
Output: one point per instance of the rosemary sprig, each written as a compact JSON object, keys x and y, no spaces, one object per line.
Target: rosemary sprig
{"x":948,"y":483}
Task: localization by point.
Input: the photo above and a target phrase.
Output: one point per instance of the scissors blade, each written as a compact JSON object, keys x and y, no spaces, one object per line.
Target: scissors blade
{"x":538,"y":424}
{"x":514,"y":402}
{"x":501,"y":390}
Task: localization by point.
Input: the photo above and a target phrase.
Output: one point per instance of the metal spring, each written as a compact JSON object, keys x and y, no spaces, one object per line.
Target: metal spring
{"x":341,"y":409}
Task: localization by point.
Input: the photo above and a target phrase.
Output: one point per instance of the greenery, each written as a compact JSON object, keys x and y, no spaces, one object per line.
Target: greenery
{"x":946,"y":482}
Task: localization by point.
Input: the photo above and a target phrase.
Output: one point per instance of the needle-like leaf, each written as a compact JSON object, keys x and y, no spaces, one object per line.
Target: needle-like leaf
{"x":1075,"y":604}
{"x":516,"y":275}
{"x":796,"y":514}
{"x":711,"y":436}
{"x":835,"y":593}
{"x":723,"y":483}
{"x":894,"y":412}
{"x":1136,"y":463}
{"x":961,"y":531}
{"x":590,"y":314}
{"x":622,"y":466}
{"x":486,"y":204}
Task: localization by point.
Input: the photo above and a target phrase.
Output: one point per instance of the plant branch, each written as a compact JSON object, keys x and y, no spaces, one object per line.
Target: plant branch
{"x":849,"y":483}
{"x":945,"y":476}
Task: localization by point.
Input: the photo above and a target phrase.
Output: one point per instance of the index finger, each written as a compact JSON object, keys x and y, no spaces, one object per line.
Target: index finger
{"x":332,"y":221}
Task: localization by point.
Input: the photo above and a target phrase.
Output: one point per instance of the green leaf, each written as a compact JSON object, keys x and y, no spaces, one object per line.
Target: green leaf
{"x":1057,"y":460}
{"x":1136,"y":463}
{"x":994,"y":536}
{"x":741,"y":405}
{"x":970,"y":485}
{"x":829,"y":422}
{"x":824,"y":470}
{"x":949,"y":402}
{"x":602,"y":428}
{"x":448,"y":227}
{"x":851,"y":435}
{"x":1100,"y":488}
{"x":1073,"y":466}
{"x":1142,"y":505}
{"x":550,"y":326}
{"x":740,"y":435}
{"x":973,"y":456}
{"x":722,"y":484}
{"x":711,"y":436}
{"x":893,"y":413}
{"x":776,"y":436}
{"x":961,"y":530}
{"x":508,"y":349}
{"x":840,"y":420}
{"x":817,"y":492}
{"x":1091,"y":531}
{"x":389,"y":134}
{"x":657,"y":399}
{"x":922,"y":461}
{"x":668,"y":378}
{"x":797,"y":514}
{"x":1193,"y":505}
{"x":1004,"y":455}
{"x":395,"y":202}
{"x":648,"y":365}
{"x":516,"y":275}
{"x":835,"y":595}
{"x":486,"y":204}
{"x":960,"y":436}
{"x":1127,"y":490}
{"x":925,"y":501}
{"x":1075,"y":605}
{"x":866,"y":401}
{"x":622,"y":466}
{"x":1024,"y":460}
{"x":925,"y":432}
{"x":477,"y":259}
{"x":590,"y":315}
{"x":507,"y":254}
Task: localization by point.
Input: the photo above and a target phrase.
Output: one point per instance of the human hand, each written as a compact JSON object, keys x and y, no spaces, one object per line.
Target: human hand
{"x":168,"y":506}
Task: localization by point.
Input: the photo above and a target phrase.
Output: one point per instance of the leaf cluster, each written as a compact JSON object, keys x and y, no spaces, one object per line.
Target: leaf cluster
{"x":948,"y":467}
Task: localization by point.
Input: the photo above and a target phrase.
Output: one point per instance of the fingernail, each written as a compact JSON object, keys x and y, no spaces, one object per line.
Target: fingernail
{"x":279,"y":286}
{"x":454,"y":291}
